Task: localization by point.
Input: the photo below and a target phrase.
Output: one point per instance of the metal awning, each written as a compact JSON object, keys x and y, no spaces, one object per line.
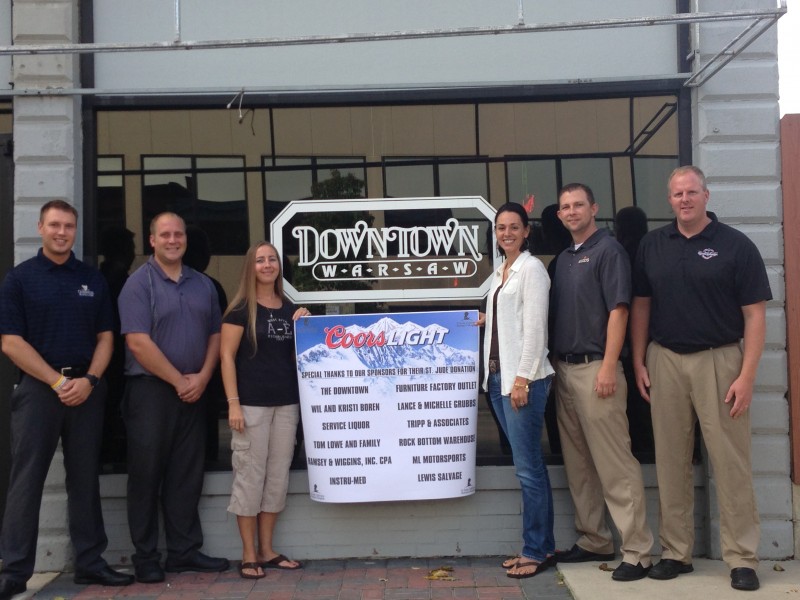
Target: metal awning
{"x":757,"y":22}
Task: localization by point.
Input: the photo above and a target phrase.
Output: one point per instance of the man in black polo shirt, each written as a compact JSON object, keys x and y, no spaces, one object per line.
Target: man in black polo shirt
{"x":700,"y":288}
{"x":590,"y":295}
{"x":56,"y":324}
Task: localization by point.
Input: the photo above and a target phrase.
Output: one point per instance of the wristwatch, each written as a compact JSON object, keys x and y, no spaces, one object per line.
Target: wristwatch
{"x":93,"y":379}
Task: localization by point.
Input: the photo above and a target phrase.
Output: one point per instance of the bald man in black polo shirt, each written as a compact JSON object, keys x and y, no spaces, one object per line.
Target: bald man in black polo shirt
{"x":56,"y":324}
{"x":700,"y":293}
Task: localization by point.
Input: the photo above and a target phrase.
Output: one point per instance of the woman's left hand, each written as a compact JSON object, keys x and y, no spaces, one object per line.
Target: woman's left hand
{"x":519,"y":398}
{"x":235,"y":417}
{"x":300,"y":313}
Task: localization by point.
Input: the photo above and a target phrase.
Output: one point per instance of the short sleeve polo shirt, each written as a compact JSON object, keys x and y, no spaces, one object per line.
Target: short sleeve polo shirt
{"x":589,"y":283}
{"x":699,"y":285}
{"x":57,"y":309}
{"x":179,"y":317}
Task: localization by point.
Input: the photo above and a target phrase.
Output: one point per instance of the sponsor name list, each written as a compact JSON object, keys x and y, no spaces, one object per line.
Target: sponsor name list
{"x":394,"y":420}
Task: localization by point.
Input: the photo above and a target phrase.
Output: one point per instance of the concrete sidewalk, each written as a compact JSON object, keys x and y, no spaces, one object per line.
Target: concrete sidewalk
{"x":709,"y":581}
{"x":405,"y":579}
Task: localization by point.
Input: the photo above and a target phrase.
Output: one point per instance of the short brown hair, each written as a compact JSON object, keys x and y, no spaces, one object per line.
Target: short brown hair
{"x":165,"y":214}
{"x":58,"y":205}
{"x":575,"y":187}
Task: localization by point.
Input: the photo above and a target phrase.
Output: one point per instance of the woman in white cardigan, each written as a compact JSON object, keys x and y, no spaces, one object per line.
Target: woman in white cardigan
{"x":518,"y":377}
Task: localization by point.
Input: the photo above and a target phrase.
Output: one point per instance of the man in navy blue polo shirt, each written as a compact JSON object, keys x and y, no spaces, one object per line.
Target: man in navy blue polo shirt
{"x":700,"y":294}
{"x":590,"y":295}
{"x":170,"y":316}
{"x":56,"y":323}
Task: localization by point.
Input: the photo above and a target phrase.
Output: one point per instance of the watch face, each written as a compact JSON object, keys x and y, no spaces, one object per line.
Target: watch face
{"x":92,"y":379}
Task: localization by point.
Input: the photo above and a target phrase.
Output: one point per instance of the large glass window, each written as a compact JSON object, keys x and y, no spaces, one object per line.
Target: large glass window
{"x":233,"y":179}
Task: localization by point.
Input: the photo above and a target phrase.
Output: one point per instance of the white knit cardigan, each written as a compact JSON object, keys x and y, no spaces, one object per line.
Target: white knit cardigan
{"x":522,"y":327}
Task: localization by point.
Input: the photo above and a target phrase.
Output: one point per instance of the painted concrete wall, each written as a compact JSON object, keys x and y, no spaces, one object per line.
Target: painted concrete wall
{"x":736,"y":142}
{"x":48,"y":163}
{"x":486,"y":523}
{"x":476,"y":60}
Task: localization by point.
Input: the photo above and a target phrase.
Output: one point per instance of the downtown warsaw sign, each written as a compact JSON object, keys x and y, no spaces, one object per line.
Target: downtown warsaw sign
{"x":386,"y":250}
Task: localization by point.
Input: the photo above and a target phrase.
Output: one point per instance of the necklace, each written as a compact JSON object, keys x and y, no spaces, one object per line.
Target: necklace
{"x":265,"y":301}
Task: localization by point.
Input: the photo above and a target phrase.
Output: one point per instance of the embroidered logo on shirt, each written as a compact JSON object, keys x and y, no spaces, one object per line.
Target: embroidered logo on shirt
{"x":85,"y":291}
{"x":585,"y":259}
{"x":708,"y":253}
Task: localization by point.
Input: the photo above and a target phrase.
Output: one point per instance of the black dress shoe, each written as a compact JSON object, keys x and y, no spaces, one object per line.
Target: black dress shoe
{"x":668,"y":568}
{"x":576,"y":554}
{"x":198,"y":562}
{"x":550,"y":561}
{"x":744,"y":578}
{"x":105,"y":576}
{"x":9,"y":587}
{"x":628,"y":572}
{"x":150,"y":572}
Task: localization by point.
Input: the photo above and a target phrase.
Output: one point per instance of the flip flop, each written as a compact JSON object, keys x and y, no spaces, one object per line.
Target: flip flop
{"x":540,"y":568}
{"x":252,"y":566}
{"x":275,"y":563}
{"x":510,"y":563}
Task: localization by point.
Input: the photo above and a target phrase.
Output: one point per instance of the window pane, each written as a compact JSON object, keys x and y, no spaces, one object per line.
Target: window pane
{"x":650,"y":185}
{"x":221,"y":205}
{"x":110,"y":197}
{"x":312,"y":181}
{"x":463,"y":180}
{"x":285,"y":186}
{"x":215,"y":202}
{"x":358,"y":172}
{"x":596,"y":173}
{"x":413,"y":181}
{"x":163,"y":163}
{"x":537,"y":177}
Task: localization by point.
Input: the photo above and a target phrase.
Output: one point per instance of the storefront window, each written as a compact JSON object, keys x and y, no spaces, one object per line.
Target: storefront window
{"x":232,"y":180}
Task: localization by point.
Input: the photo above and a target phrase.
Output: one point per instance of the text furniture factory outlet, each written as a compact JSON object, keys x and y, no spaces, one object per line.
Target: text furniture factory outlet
{"x":228,"y":112}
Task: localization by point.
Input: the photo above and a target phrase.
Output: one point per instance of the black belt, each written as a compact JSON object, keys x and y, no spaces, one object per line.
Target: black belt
{"x":579,"y":359}
{"x":73,"y":372}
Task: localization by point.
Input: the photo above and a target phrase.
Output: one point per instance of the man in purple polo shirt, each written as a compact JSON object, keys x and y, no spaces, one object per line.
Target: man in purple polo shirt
{"x":170,"y":317}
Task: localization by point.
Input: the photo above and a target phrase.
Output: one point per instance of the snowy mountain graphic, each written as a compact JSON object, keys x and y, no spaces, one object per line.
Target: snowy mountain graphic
{"x":321,"y":358}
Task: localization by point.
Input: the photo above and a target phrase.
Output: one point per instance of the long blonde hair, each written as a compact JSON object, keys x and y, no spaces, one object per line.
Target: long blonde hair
{"x":246,"y":294}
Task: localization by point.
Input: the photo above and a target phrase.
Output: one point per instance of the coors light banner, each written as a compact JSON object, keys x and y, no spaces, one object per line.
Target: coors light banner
{"x":389,"y":405}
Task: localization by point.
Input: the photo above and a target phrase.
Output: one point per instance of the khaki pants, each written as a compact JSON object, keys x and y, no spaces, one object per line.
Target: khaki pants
{"x":601,"y":471}
{"x":686,"y":388}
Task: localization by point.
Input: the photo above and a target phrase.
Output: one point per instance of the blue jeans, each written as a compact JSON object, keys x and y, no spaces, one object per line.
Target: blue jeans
{"x":524,"y":431}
